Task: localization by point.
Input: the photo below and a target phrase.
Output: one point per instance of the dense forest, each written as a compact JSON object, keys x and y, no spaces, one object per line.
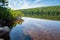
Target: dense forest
{"x":50,"y":12}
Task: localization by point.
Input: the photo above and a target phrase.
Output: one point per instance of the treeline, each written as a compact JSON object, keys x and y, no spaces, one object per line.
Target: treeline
{"x":51,"y":12}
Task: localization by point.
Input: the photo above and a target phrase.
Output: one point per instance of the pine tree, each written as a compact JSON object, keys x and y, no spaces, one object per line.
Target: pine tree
{"x":5,"y":15}
{"x":3,"y":2}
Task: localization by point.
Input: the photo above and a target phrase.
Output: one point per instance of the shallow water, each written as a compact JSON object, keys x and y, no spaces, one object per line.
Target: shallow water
{"x":36,"y":29}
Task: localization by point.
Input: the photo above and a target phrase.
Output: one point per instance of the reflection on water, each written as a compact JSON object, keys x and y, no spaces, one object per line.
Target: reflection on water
{"x":20,"y":21}
{"x":36,"y":29}
{"x":18,"y":34}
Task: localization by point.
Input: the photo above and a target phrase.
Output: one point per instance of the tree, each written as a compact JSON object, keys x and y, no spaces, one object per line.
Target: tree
{"x":3,"y":2}
{"x":7,"y":16}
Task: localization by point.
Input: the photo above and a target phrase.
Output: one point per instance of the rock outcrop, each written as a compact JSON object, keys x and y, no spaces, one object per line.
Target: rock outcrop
{"x":4,"y":32}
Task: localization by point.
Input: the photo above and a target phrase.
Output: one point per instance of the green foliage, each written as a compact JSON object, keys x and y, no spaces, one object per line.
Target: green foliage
{"x":5,"y":16}
{"x":8,"y":17}
{"x":16,"y":13}
{"x":51,"y":12}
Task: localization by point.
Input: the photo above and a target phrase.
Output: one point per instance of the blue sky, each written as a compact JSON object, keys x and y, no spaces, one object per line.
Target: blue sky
{"x":24,"y":4}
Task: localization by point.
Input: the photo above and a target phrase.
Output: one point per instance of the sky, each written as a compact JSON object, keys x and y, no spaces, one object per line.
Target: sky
{"x":25,"y":4}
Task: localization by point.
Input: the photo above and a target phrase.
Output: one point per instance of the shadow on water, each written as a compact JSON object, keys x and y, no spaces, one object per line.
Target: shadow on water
{"x":17,"y":33}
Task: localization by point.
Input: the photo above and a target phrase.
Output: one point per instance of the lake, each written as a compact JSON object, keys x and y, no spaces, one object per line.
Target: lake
{"x":36,"y":29}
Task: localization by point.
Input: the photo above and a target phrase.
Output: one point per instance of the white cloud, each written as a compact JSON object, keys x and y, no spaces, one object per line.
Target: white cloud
{"x":37,"y":1}
{"x":23,"y":4}
{"x":27,"y":5}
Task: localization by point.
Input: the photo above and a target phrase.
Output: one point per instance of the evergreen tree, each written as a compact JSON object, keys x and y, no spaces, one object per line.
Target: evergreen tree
{"x":5,"y":15}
